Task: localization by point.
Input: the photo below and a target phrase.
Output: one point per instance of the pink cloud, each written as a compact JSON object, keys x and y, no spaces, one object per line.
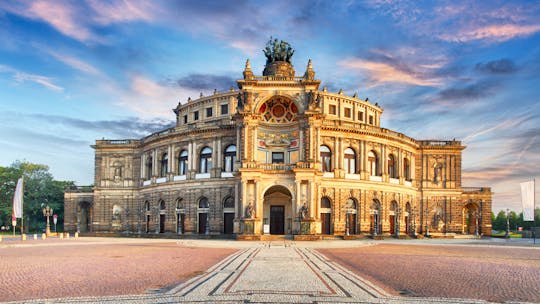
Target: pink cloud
{"x":494,"y":33}
{"x":383,"y":72}
{"x":122,"y":11}
{"x":63,"y":17}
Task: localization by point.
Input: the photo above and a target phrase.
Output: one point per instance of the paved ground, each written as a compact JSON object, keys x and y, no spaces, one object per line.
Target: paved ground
{"x":491,"y":273}
{"x":137,"y":270}
{"x":68,"y":268}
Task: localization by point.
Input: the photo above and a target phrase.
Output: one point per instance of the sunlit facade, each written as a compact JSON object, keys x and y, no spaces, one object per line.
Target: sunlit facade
{"x":278,"y":156}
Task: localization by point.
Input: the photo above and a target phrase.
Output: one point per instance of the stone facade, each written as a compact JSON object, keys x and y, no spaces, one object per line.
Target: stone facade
{"x":278,"y":156}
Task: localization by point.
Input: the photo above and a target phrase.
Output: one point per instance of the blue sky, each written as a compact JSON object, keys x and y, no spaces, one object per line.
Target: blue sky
{"x":75,"y":71}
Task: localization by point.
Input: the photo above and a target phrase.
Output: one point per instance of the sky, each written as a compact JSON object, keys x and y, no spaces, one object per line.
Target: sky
{"x":72,"y":72}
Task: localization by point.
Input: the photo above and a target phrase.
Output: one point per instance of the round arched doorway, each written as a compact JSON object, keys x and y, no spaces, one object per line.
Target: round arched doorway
{"x":277,"y":210}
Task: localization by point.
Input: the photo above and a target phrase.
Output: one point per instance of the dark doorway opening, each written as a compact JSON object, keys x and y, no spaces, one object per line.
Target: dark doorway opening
{"x":325,"y":221}
{"x":162,"y":223}
{"x":277,"y":219}
{"x":202,"y":223}
{"x":228,"y":223}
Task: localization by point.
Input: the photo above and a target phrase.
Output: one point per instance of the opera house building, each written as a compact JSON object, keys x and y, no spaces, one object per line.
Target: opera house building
{"x":280,"y":155}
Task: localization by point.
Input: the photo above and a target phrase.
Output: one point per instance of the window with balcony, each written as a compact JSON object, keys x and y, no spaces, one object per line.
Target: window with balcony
{"x":278,"y":158}
{"x":229,"y":158}
{"x":373,"y":161}
{"x":164,"y":165}
{"x":205,"y":160}
{"x":182,"y":162}
{"x":350,"y":161}
{"x":326,"y":158}
{"x":407,"y":169}
{"x":360,"y":116}
{"x":392,"y":168}
{"x":370,"y":119}
{"x":149,"y":168}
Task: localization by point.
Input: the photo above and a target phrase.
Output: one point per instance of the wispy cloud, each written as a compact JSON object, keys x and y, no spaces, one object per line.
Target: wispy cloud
{"x":62,"y":16}
{"x":74,"y":63}
{"x":381,"y":72}
{"x":122,"y":11}
{"x":491,"y":33}
{"x":128,"y":127}
{"x":21,"y":77}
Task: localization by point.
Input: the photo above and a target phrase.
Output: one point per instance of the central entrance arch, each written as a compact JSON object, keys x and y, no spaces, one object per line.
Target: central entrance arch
{"x":277,"y":210}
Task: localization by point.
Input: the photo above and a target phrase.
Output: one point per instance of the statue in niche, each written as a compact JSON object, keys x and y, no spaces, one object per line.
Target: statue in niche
{"x":249,"y":211}
{"x":117,"y":170}
{"x":437,"y":172}
{"x":304,"y":212}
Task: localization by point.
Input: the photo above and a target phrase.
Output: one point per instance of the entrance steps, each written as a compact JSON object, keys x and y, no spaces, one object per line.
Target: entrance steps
{"x":276,"y":237}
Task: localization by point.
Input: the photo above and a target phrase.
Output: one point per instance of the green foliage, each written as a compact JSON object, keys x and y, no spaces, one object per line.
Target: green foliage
{"x":40,"y":189}
{"x":499,"y":223}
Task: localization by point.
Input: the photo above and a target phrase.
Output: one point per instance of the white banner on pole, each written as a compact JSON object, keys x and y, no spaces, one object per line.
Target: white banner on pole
{"x":527,"y":200}
{"x":18,"y":199}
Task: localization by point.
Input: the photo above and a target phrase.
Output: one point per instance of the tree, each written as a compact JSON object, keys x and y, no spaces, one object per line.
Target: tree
{"x":500,"y":221}
{"x":40,"y":189}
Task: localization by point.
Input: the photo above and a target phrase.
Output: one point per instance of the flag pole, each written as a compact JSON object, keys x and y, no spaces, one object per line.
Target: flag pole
{"x":534,"y":211}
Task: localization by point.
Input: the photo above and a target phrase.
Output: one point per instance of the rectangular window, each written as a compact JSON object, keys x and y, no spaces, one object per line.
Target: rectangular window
{"x":209,"y":112}
{"x":332,"y":109}
{"x":278,"y":158}
{"x":224,"y":109}
{"x":347,"y":112}
{"x":196,"y":115}
{"x":370,"y":119}
{"x":360,"y":116}
{"x":185,"y":119}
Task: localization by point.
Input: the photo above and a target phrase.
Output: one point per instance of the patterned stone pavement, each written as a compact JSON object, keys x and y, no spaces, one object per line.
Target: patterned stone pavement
{"x":273,"y":272}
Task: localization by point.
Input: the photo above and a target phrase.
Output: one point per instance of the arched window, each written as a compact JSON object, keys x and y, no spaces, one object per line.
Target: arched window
{"x":392,"y":166}
{"x":326,"y":158}
{"x":147,"y":206}
{"x":325,"y":202}
{"x":229,"y":158}
{"x":164,"y":165}
{"x":149,"y":163}
{"x":182,"y":162}
{"x":350,"y":161}
{"x":203,"y":203}
{"x":162,"y":205}
{"x":407,"y":169}
{"x":205,"y":160}
{"x":228,"y":202}
{"x":179,"y":203}
{"x":373,"y":163}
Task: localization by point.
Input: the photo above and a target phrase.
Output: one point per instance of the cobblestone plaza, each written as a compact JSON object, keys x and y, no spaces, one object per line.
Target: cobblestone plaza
{"x":98,"y":270}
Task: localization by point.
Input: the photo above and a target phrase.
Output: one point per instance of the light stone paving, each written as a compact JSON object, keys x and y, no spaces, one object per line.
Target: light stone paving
{"x":273,"y":272}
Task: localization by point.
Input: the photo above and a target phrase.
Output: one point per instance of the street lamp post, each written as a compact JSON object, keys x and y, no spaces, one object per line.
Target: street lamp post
{"x":476,"y":217}
{"x":398,"y":212}
{"x":47,"y":212}
{"x":414,"y":221}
